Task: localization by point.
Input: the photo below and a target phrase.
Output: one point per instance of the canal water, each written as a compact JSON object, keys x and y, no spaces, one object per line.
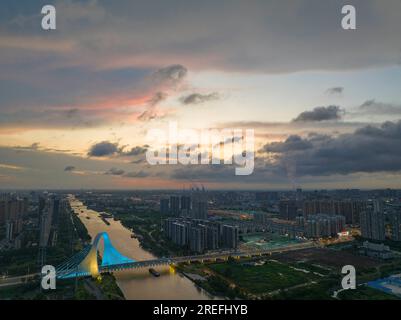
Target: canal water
{"x":138,"y":284}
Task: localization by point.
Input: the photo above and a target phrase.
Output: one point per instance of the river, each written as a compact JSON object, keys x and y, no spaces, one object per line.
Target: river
{"x":139,"y":284}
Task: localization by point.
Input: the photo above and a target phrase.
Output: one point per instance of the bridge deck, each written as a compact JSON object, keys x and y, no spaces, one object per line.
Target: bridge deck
{"x":195,"y":258}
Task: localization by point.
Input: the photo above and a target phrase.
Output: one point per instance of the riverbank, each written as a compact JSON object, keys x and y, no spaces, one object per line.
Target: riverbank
{"x":103,"y":288}
{"x":152,"y":239}
{"x":146,"y":227}
{"x":138,"y":284}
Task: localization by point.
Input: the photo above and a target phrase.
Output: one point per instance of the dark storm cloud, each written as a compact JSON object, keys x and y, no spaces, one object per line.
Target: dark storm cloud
{"x":107,"y":148}
{"x":69,"y":168}
{"x":90,"y":58}
{"x":207,"y":173}
{"x":115,"y":172}
{"x":335,"y":90}
{"x":369,"y":149}
{"x":320,"y":114}
{"x":136,"y":151}
{"x":292,"y":143}
{"x":104,"y":148}
{"x":197,"y":98}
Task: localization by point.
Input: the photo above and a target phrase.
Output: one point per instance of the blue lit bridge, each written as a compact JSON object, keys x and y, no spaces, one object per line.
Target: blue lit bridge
{"x":85,"y":263}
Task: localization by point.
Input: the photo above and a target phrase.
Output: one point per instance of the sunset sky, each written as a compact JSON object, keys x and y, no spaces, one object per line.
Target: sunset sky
{"x":76,"y":102}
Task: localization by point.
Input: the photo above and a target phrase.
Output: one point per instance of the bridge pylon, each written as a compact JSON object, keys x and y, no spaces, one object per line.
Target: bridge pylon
{"x":85,"y":263}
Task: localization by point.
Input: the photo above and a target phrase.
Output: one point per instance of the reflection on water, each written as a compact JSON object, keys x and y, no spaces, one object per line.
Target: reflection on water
{"x":139,"y":284}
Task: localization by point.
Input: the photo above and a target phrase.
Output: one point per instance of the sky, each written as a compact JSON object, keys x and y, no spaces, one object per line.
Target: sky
{"x":76,"y":103}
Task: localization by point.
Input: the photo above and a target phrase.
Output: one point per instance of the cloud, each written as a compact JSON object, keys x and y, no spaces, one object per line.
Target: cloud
{"x":374,"y":107}
{"x":335,"y":90}
{"x":157,"y":98}
{"x":69,"y":168}
{"x":170,"y":75}
{"x":197,"y":98}
{"x":107,"y":148}
{"x":136,"y":151}
{"x":292,"y":143}
{"x":320,"y":114}
{"x":115,"y":172}
{"x":166,"y":80}
{"x":369,"y":149}
{"x":150,"y":114}
{"x":54,"y":118}
{"x":90,"y":62}
{"x":10,"y":166}
{"x":35,"y":146}
{"x":138,"y":174}
{"x":104,"y":148}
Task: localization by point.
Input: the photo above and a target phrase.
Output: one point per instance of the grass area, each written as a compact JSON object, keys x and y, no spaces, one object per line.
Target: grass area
{"x":394,"y":245}
{"x":366,"y":293}
{"x":312,"y":268}
{"x":18,"y":262}
{"x":82,"y":294}
{"x":23,"y":261}
{"x":81,"y":229}
{"x":261,"y":279}
{"x":321,"y":290}
{"x":146,"y":224}
{"x":20,"y":292}
{"x":110,"y":289}
{"x":31,"y":291}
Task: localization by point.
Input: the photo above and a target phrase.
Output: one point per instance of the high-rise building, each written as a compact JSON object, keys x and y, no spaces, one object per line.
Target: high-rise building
{"x":357,"y":207}
{"x":197,"y":241}
{"x":372,"y":222}
{"x":300,"y":221}
{"x":41,"y":205}
{"x":54,"y":210}
{"x":299,"y":195}
{"x":261,"y":217}
{"x":323,"y":225}
{"x":395,"y":223}
{"x":288,"y":209}
{"x":212,"y":237}
{"x":3,"y":211}
{"x":12,"y":212}
{"x":165,"y":206}
{"x":199,"y":205}
{"x":229,"y":236}
{"x":200,"y":235}
{"x":350,"y":209}
{"x":185,"y":205}
{"x":175,"y":205}
{"x":10,"y":230}
{"x":179,"y":234}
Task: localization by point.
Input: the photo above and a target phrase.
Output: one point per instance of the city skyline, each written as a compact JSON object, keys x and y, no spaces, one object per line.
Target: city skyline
{"x":76,"y":103}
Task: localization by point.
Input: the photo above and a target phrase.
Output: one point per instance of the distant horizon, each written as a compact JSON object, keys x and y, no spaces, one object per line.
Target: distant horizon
{"x":206,"y":189}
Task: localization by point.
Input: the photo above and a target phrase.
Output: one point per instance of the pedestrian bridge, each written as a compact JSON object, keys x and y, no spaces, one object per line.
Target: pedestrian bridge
{"x":86,"y":263}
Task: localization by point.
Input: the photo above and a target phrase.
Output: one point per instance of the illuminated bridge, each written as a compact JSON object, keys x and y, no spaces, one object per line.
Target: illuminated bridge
{"x":86,"y":262}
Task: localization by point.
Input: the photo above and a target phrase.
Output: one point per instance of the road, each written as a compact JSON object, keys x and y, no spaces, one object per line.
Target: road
{"x":173,"y":260}
{"x":13,"y":281}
